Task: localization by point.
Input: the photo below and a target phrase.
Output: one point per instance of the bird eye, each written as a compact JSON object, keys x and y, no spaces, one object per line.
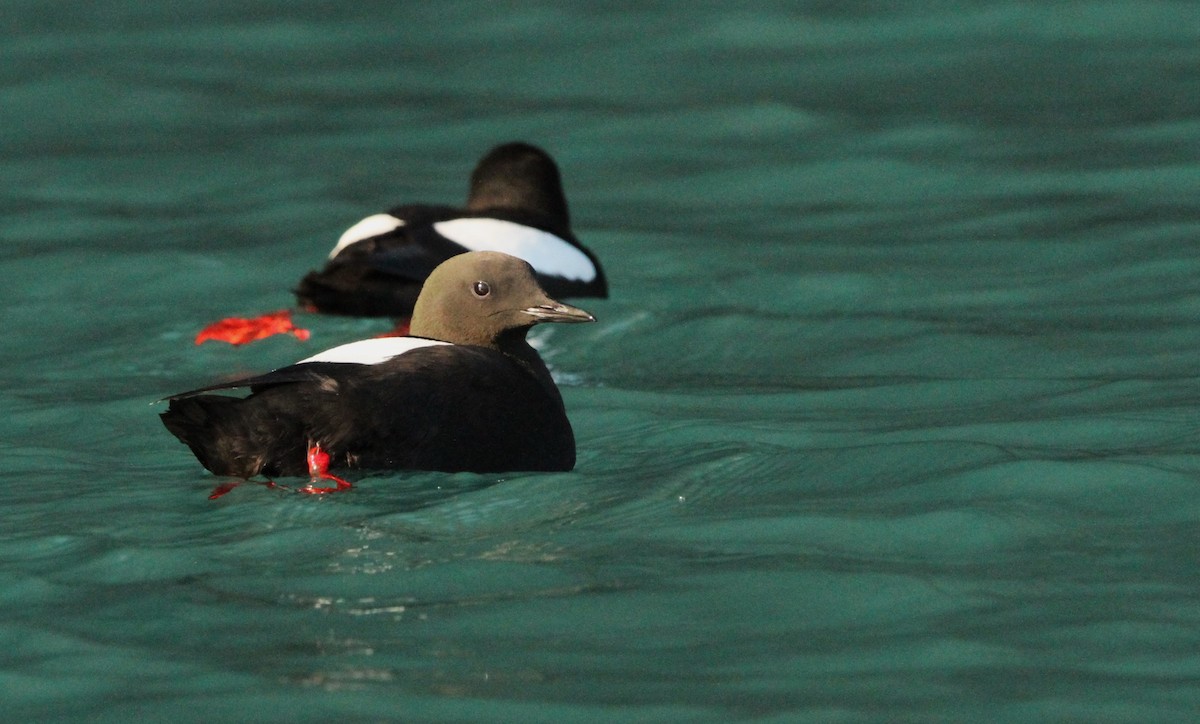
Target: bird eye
{"x":481,"y":289}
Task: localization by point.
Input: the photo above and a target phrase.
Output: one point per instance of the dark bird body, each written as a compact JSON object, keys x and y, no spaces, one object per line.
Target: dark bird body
{"x":467,"y":393}
{"x":515,"y":205}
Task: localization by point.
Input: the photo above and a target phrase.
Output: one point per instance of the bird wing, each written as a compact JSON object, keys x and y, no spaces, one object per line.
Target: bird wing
{"x":446,"y":407}
{"x":415,"y":259}
{"x":311,"y":372}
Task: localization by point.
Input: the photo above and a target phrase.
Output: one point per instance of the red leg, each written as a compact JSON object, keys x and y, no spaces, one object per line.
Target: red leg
{"x":225,"y":487}
{"x":318,"y":470}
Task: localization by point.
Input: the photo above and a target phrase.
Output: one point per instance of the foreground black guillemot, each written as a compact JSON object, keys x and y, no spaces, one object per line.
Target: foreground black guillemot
{"x":465,"y":392}
{"x":515,"y":205}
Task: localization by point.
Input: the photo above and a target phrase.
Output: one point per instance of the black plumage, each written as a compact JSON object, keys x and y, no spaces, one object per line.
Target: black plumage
{"x":483,"y":401}
{"x":381,"y":273}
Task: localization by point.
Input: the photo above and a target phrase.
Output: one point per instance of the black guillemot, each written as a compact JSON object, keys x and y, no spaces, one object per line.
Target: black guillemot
{"x":515,"y":205}
{"x":465,"y":392}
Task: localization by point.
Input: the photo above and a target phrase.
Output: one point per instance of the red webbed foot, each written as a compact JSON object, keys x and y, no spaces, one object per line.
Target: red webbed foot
{"x":318,"y":470}
{"x":225,"y":487}
{"x":239,"y":330}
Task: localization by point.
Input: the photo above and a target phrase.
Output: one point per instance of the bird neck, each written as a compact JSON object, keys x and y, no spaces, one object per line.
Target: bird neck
{"x":512,"y":342}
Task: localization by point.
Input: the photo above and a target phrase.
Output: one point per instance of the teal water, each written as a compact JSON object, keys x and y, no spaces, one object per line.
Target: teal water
{"x":892,"y":415}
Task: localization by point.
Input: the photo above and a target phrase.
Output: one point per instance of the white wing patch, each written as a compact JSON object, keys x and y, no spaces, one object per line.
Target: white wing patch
{"x":545,"y":252}
{"x":371,"y":226}
{"x":371,"y":351}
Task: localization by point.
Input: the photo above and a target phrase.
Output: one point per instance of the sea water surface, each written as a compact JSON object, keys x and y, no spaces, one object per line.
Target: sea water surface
{"x":892,"y":414}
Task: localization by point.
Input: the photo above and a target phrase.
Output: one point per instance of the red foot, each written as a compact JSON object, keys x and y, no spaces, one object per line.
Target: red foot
{"x":318,"y":469}
{"x":224,"y":488}
{"x":400,"y":330}
{"x":238,"y":330}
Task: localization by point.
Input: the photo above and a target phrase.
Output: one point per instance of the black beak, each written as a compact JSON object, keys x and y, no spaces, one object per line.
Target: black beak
{"x":558,"y":312}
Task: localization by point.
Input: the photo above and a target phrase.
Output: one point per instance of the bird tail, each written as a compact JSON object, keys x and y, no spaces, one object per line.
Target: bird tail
{"x":218,"y":433}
